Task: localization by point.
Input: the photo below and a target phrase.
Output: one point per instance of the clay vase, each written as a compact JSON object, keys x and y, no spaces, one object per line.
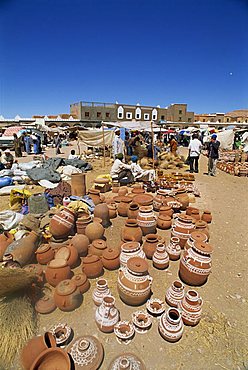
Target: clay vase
{"x":150,"y":245}
{"x":134,"y":282}
{"x":123,"y":191}
{"x":57,"y":270}
{"x":164,"y":222}
{"x":78,"y":185}
{"x":127,"y":361}
{"x":112,"y":208}
{"x":34,"y":347}
{"x":94,"y":231}
{"x":175,"y":293}
{"x":160,"y":258}
{"x":123,"y":206}
{"x":81,"y":282}
{"x":202,"y":226}
{"x":196,"y":263}
{"x":45,"y":305}
{"x":81,"y":243}
{"x":133,"y":211}
{"x":82,"y":222}
{"x":5,"y":240}
{"x":166,"y":211}
{"x":97,"y":247}
{"x":52,"y":358}
{"x":62,"y":223}
{"x":94,"y":194}
{"x":25,"y":248}
{"x":207,"y":217}
{"x":102,"y":211}
{"x":107,"y":315}
{"x":191,"y":308}
{"x":111,"y":258}
{"x":195,"y":214}
{"x":101,"y":291}
{"x":44,"y":254}
{"x":182,"y":228}
{"x":158,"y":202}
{"x":70,"y":254}
{"x":147,"y":220}
{"x":171,"y":325}
{"x":67,"y":296}
{"x":86,"y":352}
{"x":195,"y":236}
{"x":173,"y":249}
{"x":92,"y":266}
{"x":132,"y":231}
{"x":129,"y":250}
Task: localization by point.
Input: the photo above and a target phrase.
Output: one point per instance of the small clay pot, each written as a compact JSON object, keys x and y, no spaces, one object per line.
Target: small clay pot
{"x":112,"y":208}
{"x":45,"y":305}
{"x":52,"y":358}
{"x":81,"y":282}
{"x":207,"y":217}
{"x":195,"y":214}
{"x":81,"y":243}
{"x":150,"y":245}
{"x":82,"y":222}
{"x":123,"y":206}
{"x":94,"y":194}
{"x":97,"y":247}
{"x":44,"y":254}
{"x":70,"y":254}
{"x":67,"y":296}
{"x":166,"y":211}
{"x":94,"y":231}
{"x":102,"y":211}
{"x":92,"y":266}
{"x":123,"y":190}
{"x":164,"y":222}
{"x":190,"y":209}
{"x":57,"y":270}
{"x":133,"y":211}
{"x":111,"y":258}
{"x":132,"y":231}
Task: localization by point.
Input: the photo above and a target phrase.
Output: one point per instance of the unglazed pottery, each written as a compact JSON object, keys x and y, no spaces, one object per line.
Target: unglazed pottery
{"x":52,"y":358}
{"x":124,"y":331}
{"x":94,"y":231}
{"x":207,"y":216}
{"x":158,"y":202}
{"x":175,"y":293}
{"x":25,"y":248}
{"x":129,"y":250}
{"x":195,"y":236}
{"x":81,"y":282}
{"x":155,"y":306}
{"x":102,"y":211}
{"x":164,"y":222}
{"x":94,"y":194}
{"x":97,"y":247}
{"x":57,"y":270}
{"x":202,"y":226}
{"x":147,"y":220}
{"x":67,"y":296}
{"x":132,"y":231}
{"x":112,"y":208}
{"x":166,"y":211}
{"x":86,"y":353}
{"x":44,"y":254}
{"x":123,"y":206}
{"x":195,"y":214}
{"x":81,"y":243}
{"x":111,"y":258}
{"x":62,"y":223}
{"x":171,"y":325}
{"x":127,"y":361}
{"x":62,"y":334}
{"x":101,"y":291}
{"x":143,"y":199}
{"x":191,"y":308}
{"x":182,"y":228}
{"x":5,"y":240}
{"x":82,"y":222}
{"x":92,"y":266}
{"x":173,"y":248}
{"x":107,"y":315}
{"x":133,"y":211}
{"x":45,"y":305}
{"x":150,"y":245}
{"x":142,"y":321}
{"x":70,"y":254}
{"x":160,"y":257}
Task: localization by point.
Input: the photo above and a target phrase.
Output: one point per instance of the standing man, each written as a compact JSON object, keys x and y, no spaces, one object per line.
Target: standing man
{"x":117,"y":144}
{"x":173,"y":146}
{"x":194,"y":153}
{"x":27,"y":143}
{"x":213,"y":154}
{"x":57,"y":143}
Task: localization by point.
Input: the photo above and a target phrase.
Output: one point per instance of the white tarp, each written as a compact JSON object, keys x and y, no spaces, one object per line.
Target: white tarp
{"x":225,"y":138}
{"x":139,"y":125}
{"x":95,"y":137}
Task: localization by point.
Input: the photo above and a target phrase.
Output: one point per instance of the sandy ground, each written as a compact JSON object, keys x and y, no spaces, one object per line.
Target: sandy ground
{"x":220,"y":341}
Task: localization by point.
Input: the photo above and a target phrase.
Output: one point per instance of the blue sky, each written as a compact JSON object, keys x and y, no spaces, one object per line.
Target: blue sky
{"x":56,"y":52}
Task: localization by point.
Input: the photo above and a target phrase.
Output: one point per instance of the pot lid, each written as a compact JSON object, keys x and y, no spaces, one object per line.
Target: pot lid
{"x":203,"y":248}
{"x":143,"y":199}
{"x":45,"y":305}
{"x":94,"y":191}
{"x":201,"y":223}
{"x":66,"y":287}
{"x":122,"y":198}
{"x":91,"y":258}
{"x":137,"y":264}
{"x":198,"y":236}
{"x":86,"y":352}
{"x":185,"y":218}
{"x":111,"y":254}
{"x":131,"y":222}
{"x":57,"y":263}
{"x":146,"y":209}
{"x":99,"y":244}
{"x":63,"y":253}
{"x":79,"y":279}
{"x":43,"y":248}
{"x":127,"y":361}
{"x":130,"y":246}
{"x":101,"y":181}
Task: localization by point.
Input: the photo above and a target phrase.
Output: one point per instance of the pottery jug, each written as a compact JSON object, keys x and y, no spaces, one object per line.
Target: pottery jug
{"x":129,"y":250}
{"x":195,"y":214}
{"x":166,"y":211}
{"x":94,"y":231}
{"x":160,"y":258}
{"x":191,"y":308}
{"x":70,"y":254}
{"x":158,"y":202}
{"x":37,"y":204}
{"x":123,"y":206}
{"x":101,"y":291}
{"x":102,"y":211}
{"x":82,"y":222}
{"x":107,"y":315}
{"x":171,"y":325}
{"x":183,"y":198}
{"x":175,"y":293}
{"x":97,"y":247}
{"x":57,"y":270}
{"x":62,"y":223}
{"x":23,"y":250}
{"x":112,"y":208}
{"x":147,"y":220}
{"x":150,"y":245}
{"x":78,"y":186}
{"x":44,"y":254}
{"x":81,"y":282}
{"x":111,"y":258}
{"x":5,"y":240}
{"x":190,"y":209}
{"x":207,"y":217}
{"x":92,"y":266}
{"x":195,"y":236}
{"x":132,"y":231}
{"x":173,"y":248}
{"x":81,"y":243}
{"x":123,"y":190}
{"x":164,"y":222}
{"x":95,"y":196}
{"x":133,"y":211}
{"x":67,"y":296}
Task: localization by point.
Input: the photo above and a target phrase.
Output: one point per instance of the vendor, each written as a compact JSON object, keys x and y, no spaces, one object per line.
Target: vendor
{"x":117,"y":144}
{"x":121,"y":171}
{"x":139,"y":173}
{"x":173,"y":146}
{"x":73,"y":155}
{"x":7,"y":159}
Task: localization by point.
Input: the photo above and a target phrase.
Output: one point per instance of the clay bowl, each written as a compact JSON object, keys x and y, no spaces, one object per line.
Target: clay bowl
{"x":52,"y":358}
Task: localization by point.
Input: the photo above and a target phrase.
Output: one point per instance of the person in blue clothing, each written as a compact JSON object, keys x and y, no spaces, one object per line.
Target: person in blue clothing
{"x":27,"y":143}
{"x":213,"y":154}
{"x":36,"y":144}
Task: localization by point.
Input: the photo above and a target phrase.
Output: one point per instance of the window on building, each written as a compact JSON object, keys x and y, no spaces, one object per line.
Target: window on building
{"x":129,"y":115}
{"x":189,"y":119}
{"x":107,"y":114}
{"x":179,"y":118}
{"x":87,"y":114}
{"x":180,"y":111}
{"x":137,"y":116}
{"x":98,"y":114}
{"x":146,"y":116}
{"x":227,"y":119}
{"x":120,"y":115}
{"x":154,"y":116}
{"x":162,"y":118}
{"x":246,"y":121}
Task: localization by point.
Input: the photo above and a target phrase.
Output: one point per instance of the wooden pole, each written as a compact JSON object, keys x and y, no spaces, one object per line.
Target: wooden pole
{"x":152,"y":144}
{"x":103,"y":141}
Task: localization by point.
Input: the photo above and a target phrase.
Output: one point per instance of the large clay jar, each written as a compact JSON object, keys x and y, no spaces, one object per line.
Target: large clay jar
{"x":175,"y":293}
{"x":81,"y":282}
{"x":123,"y":191}
{"x":134,"y":282}
{"x":183,"y":198}
{"x":173,"y":249}
{"x":52,"y":358}
{"x":86,"y":353}
{"x":5,"y":240}
{"x":123,"y":206}
{"x":44,"y":254}
{"x":94,"y":231}
{"x":111,"y":258}
{"x":147,"y":220}
{"x":195,"y":214}
{"x":129,"y":250}
{"x":196,"y":264}
{"x":195,"y":236}
{"x":164,"y":222}
{"x":202,"y":226}
{"x":101,"y":291}
{"x":107,"y":315}
{"x":166,"y":211}
{"x":67,"y":296}
{"x":171,"y":325}
{"x":57,"y":270}
{"x":158,"y":202}
{"x":191,"y":308}
{"x":92,"y":266}
{"x":182,"y":228}
{"x":132,"y":231}
{"x":94,"y":194}
{"x":62,"y":223}
{"x":81,"y":243}
{"x":97,"y":247}
{"x":70,"y":254}
{"x":160,"y":258}
{"x":25,"y":248}
{"x":133,"y":211}
{"x":127,"y":361}
{"x":78,"y":186}
{"x":34,"y":347}
{"x":207,"y":217}
{"x":112,"y":208}
{"x":102,"y":211}
{"x":82,"y":222}
{"x":150,"y":245}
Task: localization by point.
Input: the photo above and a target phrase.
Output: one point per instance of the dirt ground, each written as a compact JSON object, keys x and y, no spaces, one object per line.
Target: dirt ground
{"x":220,"y":340}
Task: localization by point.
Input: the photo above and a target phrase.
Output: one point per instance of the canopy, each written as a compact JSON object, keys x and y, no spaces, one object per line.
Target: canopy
{"x":95,"y":137}
{"x":139,"y":125}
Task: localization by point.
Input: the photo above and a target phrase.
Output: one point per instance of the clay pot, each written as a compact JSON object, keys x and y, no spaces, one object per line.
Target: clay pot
{"x":175,"y":293}
{"x":182,"y":228}
{"x":191,"y":308}
{"x":190,"y":209}
{"x":25,"y":248}
{"x":171,"y":325}
{"x":95,"y":196}
{"x":195,"y":214}
{"x":196,"y":263}
{"x":124,"y":331}
{"x":78,"y":186}
{"x":107,"y":315}
{"x":44,"y":254}
{"x":112,"y":208}
{"x":5,"y":240}
{"x":138,"y":191}
{"x":62,"y":223}
{"x":92,"y":266}
{"x":202,"y":226}
{"x":132,"y":231}
{"x":133,"y":211}
{"x":34,"y":347}
{"x":57,"y":270}
{"x":115,"y":187}
{"x":150,"y":245}
{"x":147,"y":220}
{"x":164,"y":222}
{"x":166,"y":211}
{"x":82,"y":222}
{"x":97,"y":247}
{"x":45,"y":305}
{"x":52,"y":358}
{"x":123,"y":206}
{"x":101,"y":291}
{"x":173,"y":249}
{"x":207,"y":217}
{"x":81,"y":282}
{"x":111,"y":258}
{"x":94,"y":231}
{"x":67,"y":296}
{"x":86,"y":352}
{"x":129,"y":250}
{"x":134,"y":282}
{"x":160,"y":258}
{"x":63,"y":334}
{"x":127,"y":361}
{"x":195,"y":236}
{"x":70,"y":254}
{"x":183,"y":199}
{"x":81,"y":243}
{"x":143,"y":199}
{"x":158,"y":202}
{"x":102,"y":211}
{"x":123,"y":190}
{"x":155,"y":306}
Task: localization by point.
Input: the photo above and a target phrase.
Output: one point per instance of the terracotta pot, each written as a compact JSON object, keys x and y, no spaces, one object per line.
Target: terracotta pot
{"x":131,"y":230}
{"x":182,"y":228}
{"x":82,"y":222}
{"x":25,"y":248}
{"x":183,"y":199}
{"x":196,"y":263}
{"x":155,"y":306}
{"x":166,"y":211}
{"x":92,"y":266}
{"x":147,"y":220}
{"x":158,"y":202}
{"x":195,"y":236}
{"x":45,"y":305}
{"x":81,"y":243}
{"x":127,"y":361}
{"x":102,"y":211}
{"x":70,"y":254}
{"x":78,"y":185}
{"x":111,"y":258}
{"x":101,"y":291}
{"x":124,"y":331}
{"x":95,"y":196}
{"x":150,"y":245}
{"x":107,"y":315}
{"x":138,"y":191}
{"x":44,"y":254}
{"x":123,"y":206}
{"x":202,"y":226}
{"x":57,"y":270}
{"x":115,"y":187}
{"x":142,"y":321}
{"x":164,"y":222}
{"x":5,"y":240}
{"x":160,"y":258}
{"x":97,"y":247}
{"x":34,"y":347}
{"x":207,"y":217}
{"x":67,"y":296}
{"x":190,"y":209}
{"x":133,"y":211}
{"x":81,"y":282}
{"x":173,"y":249}
{"x":143,"y":199}
{"x":52,"y":358}
{"x":112,"y":208}
{"x":175,"y":293}
{"x":129,"y":250}
{"x":195,"y":214}
{"x":123,"y":190}
{"x":134,"y":282}
{"x":171,"y":325}
{"x":94,"y":231}
{"x":62,"y":223}
{"x":191,"y":308}
{"x":168,"y":199}
{"x":87,"y":352}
